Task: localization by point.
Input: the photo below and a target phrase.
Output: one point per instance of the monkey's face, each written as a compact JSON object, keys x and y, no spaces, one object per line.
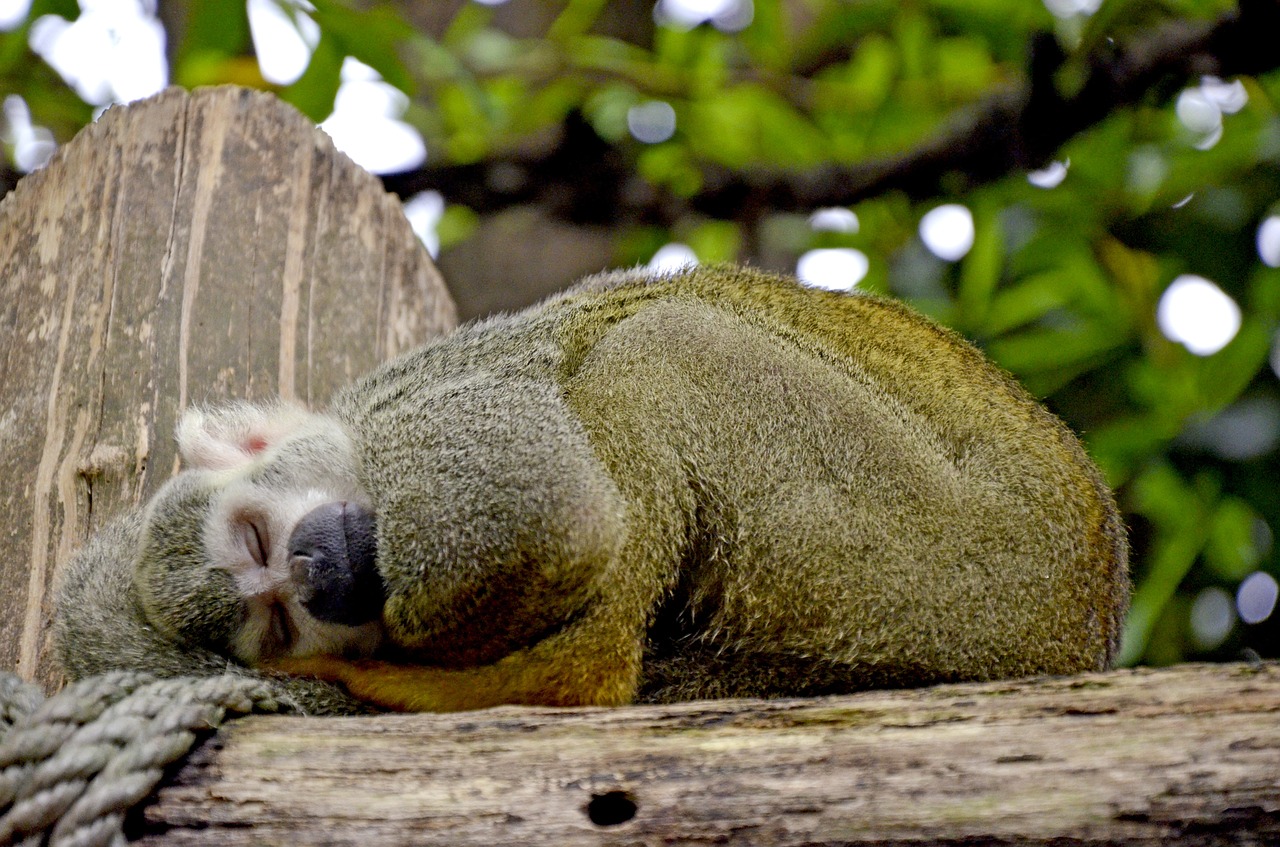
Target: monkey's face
{"x":271,"y":557}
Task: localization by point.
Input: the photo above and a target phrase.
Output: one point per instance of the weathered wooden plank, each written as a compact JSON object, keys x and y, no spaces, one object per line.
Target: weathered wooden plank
{"x":184,"y":249}
{"x":1127,"y":757}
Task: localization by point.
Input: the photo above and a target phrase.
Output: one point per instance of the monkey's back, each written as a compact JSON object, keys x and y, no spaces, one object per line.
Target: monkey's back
{"x":722,"y":483}
{"x":843,"y":493}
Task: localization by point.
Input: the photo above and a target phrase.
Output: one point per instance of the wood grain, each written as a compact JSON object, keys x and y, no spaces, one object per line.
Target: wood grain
{"x":1189,"y":754}
{"x":184,"y":249}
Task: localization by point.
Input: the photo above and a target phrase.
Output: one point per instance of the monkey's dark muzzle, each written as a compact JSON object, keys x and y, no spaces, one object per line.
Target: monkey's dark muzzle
{"x":333,"y":550}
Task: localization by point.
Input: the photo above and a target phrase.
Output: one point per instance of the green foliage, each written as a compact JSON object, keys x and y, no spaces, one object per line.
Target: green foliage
{"x":1061,"y":285}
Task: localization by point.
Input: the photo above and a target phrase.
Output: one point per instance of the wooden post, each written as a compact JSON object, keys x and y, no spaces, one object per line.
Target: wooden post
{"x":184,"y":249}
{"x":1186,"y":755}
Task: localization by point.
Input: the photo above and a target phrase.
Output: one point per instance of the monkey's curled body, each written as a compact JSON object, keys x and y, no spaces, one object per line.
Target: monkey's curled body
{"x":717,"y":483}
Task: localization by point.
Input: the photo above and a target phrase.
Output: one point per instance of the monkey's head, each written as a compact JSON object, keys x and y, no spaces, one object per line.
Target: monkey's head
{"x":264,"y":546}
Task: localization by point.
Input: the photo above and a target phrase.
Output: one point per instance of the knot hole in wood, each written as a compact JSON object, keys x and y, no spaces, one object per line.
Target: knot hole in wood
{"x":611,"y":808}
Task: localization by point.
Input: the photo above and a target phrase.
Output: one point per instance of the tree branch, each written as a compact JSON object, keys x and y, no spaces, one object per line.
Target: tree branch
{"x":1015,"y":129}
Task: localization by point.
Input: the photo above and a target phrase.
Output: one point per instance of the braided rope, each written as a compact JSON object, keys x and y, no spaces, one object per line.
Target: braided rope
{"x":17,"y":700}
{"x":72,"y":768}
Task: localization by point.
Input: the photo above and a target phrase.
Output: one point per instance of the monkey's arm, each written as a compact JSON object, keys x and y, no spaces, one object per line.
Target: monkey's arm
{"x":415,"y":688}
{"x":580,"y":666}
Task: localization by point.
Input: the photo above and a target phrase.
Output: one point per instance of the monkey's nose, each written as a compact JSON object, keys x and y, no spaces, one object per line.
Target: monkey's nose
{"x":333,"y":562}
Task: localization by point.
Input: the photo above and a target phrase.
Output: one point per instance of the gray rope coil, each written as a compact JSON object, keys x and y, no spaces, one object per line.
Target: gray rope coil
{"x":17,"y":700}
{"x":73,"y":766}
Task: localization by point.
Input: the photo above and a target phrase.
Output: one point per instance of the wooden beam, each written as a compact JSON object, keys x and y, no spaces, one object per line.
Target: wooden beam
{"x":1189,"y":754}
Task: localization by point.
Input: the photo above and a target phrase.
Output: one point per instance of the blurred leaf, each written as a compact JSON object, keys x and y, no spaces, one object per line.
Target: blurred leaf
{"x":1228,"y":372}
{"x":670,"y":165}
{"x":1036,"y":351}
{"x":1180,"y":512}
{"x":13,"y":49}
{"x":1027,"y":301}
{"x":1119,"y":18}
{"x":1265,"y":290}
{"x":914,"y":36}
{"x":767,"y":38}
{"x":715,"y":241}
{"x":549,"y":105}
{"x":215,"y":68}
{"x":68,"y":9}
{"x":470,"y":19}
{"x":749,"y":123}
{"x":466,"y":120}
{"x":1123,"y":445}
{"x":456,"y":225}
{"x":374,"y":36}
{"x":216,"y":28}
{"x":1232,"y":551}
{"x":639,"y":244}
{"x":862,"y":83}
{"x":613,"y":57}
{"x":717,"y":128}
{"x":576,"y":18}
{"x":980,"y":271}
{"x":433,"y":61}
{"x":313,"y":93}
{"x":965,"y":68}
{"x":490,"y":51}
{"x":607,"y":110}
{"x":1135,"y":275}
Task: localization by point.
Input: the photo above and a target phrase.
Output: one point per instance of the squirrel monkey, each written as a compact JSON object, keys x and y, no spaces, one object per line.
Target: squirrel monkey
{"x":712,"y":483}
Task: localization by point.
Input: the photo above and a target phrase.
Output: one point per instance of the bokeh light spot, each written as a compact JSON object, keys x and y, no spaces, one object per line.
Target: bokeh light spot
{"x":948,"y":231}
{"x":364,"y":122}
{"x":837,"y":269}
{"x":282,"y":43}
{"x":834,"y":219}
{"x":1197,"y":112}
{"x":1071,"y":8}
{"x":32,"y":145}
{"x":113,"y":52}
{"x":652,"y":122}
{"x":1229,"y":97}
{"x":12,"y":13}
{"x":1269,"y":241}
{"x":1198,"y":314}
{"x":1050,"y":176}
{"x":1213,"y":613}
{"x":672,"y":257}
{"x":1256,"y":597}
{"x":424,"y":211}
{"x":725,"y":15}
{"x":1200,"y":109}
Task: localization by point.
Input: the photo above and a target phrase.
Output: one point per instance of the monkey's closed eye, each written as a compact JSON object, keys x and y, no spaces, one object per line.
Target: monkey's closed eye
{"x":254,"y":537}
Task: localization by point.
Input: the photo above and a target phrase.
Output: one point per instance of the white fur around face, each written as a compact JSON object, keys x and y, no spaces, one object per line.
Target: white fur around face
{"x":275,"y":623}
{"x":235,"y":443}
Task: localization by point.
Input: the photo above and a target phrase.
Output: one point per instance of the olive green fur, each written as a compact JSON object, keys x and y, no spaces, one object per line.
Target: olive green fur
{"x":199,"y":611}
{"x":719,"y":483}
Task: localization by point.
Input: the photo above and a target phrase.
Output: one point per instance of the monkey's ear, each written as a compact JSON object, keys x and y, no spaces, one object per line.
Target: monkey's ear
{"x":230,"y":436}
